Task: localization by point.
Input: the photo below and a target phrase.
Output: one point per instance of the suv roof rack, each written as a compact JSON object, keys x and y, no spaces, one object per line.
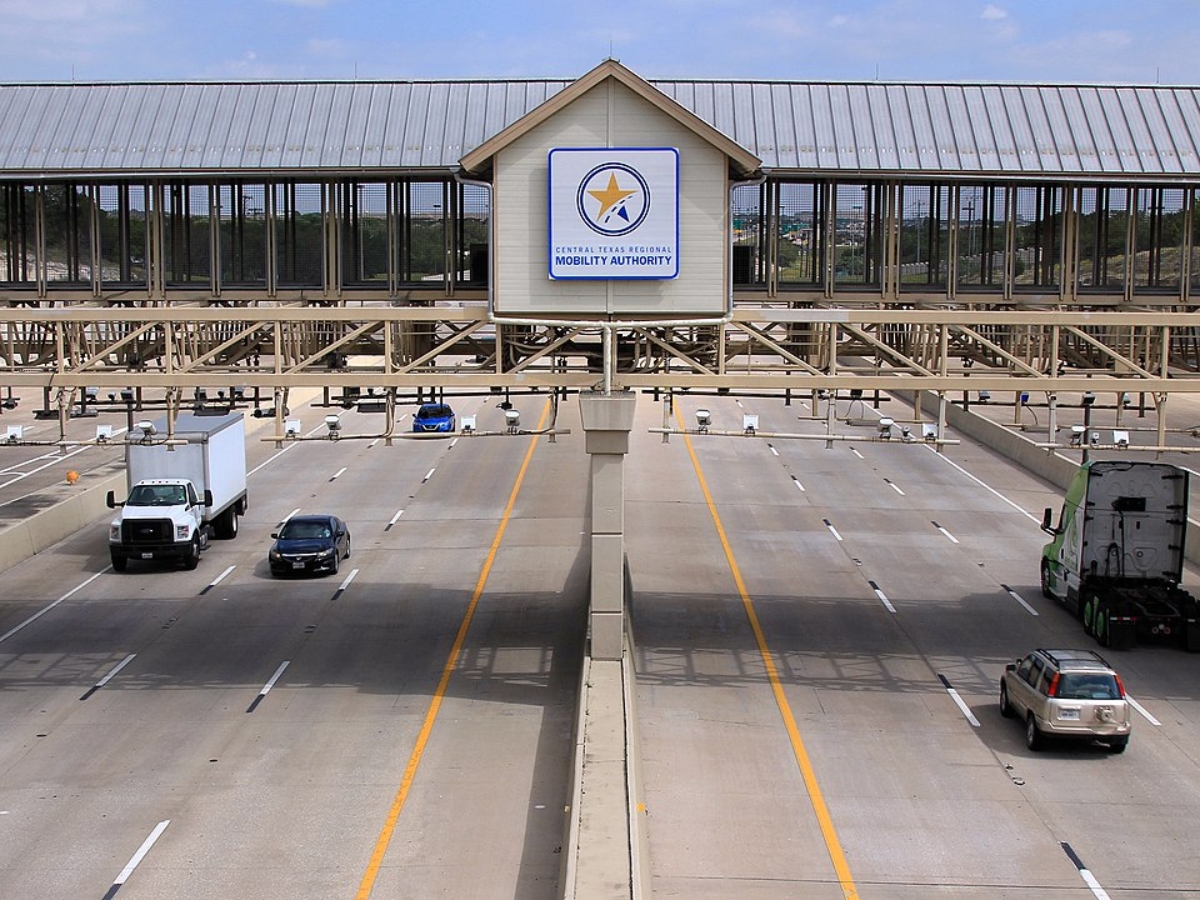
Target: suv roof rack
{"x":1074,"y":657}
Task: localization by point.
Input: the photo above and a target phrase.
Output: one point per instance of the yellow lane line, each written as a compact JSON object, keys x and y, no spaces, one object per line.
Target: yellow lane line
{"x":414,"y":761}
{"x":832,"y":844}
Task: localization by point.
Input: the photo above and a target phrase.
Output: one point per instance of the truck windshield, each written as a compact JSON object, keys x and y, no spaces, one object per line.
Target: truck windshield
{"x":157,"y":495}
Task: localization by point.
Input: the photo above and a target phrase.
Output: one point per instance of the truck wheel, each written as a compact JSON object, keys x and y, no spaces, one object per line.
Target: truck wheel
{"x":119,"y":562}
{"x":193,"y":558}
{"x":1046,"y":592}
{"x":1118,"y":744}
{"x":1100,"y":624}
{"x":1089,"y":613}
{"x":225,"y":526}
{"x":1033,"y":734}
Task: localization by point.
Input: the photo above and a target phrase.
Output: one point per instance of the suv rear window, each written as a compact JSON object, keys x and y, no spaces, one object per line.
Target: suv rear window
{"x":1089,"y":686}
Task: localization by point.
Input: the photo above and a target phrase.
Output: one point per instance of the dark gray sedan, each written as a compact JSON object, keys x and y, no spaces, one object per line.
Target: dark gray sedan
{"x":309,"y":544}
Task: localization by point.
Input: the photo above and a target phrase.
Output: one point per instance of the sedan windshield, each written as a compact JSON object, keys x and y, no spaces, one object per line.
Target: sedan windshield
{"x":301,"y":531}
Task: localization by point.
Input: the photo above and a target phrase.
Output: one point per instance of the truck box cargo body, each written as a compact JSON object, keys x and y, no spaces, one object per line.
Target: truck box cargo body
{"x":182,"y":490}
{"x":1117,"y":556}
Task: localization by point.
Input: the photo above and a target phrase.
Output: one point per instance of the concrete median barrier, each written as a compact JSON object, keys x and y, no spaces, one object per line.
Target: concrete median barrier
{"x":35,"y":523}
{"x":45,"y":518}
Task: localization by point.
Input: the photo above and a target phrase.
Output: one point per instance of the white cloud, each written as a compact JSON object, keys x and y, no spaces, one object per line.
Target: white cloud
{"x":780,"y":23}
{"x":993,"y":13}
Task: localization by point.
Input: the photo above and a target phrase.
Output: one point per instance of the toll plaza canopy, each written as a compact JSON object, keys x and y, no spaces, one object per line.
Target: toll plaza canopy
{"x":866,"y":129}
{"x":1034,"y":230}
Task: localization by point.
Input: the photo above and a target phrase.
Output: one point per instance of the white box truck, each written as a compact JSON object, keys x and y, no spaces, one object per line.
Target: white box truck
{"x":181,"y":491}
{"x":1116,"y":558}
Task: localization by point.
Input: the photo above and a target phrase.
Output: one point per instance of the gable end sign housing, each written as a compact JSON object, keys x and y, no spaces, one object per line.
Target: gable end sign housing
{"x":613,"y":213}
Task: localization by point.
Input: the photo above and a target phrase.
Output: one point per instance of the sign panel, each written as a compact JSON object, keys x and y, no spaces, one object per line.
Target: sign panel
{"x":614,"y":213}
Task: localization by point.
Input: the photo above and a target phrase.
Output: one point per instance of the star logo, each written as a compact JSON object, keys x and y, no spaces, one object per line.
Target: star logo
{"x":613,"y":199}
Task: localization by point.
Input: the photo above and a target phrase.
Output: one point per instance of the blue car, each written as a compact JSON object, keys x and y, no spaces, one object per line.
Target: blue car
{"x":434,"y":417}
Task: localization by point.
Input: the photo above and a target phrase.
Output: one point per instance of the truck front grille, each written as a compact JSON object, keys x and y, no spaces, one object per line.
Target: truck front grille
{"x":147,"y":531}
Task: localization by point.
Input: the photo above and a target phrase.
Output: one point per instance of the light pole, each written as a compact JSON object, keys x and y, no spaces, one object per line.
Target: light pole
{"x":861,"y":237}
{"x":919,"y":227}
{"x":970,"y":209}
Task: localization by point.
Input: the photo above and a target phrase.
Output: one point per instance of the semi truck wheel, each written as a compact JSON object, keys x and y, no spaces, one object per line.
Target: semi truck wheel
{"x":1089,"y":613}
{"x":1046,"y":592}
{"x":1100,"y":624}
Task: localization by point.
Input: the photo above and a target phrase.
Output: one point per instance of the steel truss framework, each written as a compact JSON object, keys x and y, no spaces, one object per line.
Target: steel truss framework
{"x":459,"y":347}
{"x":1121,"y":334}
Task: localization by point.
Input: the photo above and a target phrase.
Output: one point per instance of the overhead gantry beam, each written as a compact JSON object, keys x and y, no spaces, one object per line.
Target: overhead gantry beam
{"x":759,"y":348}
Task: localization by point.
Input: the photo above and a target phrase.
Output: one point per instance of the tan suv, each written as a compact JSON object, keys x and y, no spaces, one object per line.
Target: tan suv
{"x":1066,"y":693}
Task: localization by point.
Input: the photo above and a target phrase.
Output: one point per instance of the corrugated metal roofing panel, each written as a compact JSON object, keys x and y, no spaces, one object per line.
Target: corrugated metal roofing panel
{"x":824,"y":145}
{"x":784,"y":119}
{"x":1061,"y":140}
{"x":924,"y":141}
{"x":960,"y":143}
{"x":887,"y":150}
{"x":841,"y":123}
{"x":861,"y":137}
{"x":944,"y":150}
{"x":742,"y":108}
{"x":1139,"y":130}
{"x":906,"y":157}
{"x":801,"y":127}
{"x":806,"y":128}
{"x":1189,"y":110}
{"x":1103,"y":153}
{"x":1162,"y":136}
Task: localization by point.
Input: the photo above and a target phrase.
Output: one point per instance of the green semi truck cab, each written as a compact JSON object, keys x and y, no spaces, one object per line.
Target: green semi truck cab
{"x":1117,"y":552}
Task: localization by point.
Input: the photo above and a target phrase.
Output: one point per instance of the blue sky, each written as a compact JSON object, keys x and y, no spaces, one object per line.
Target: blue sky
{"x":1136,"y":41}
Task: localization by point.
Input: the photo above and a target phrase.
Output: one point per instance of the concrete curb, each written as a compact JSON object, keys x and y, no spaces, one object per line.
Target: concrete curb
{"x":605,"y":855}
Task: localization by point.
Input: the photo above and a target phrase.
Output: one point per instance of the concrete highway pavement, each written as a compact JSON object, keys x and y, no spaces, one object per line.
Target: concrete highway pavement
{"x":849,"y":745}
{"x":890,"y":585}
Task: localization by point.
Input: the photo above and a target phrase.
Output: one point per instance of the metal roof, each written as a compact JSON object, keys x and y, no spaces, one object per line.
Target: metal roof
{"x":255,"y":129}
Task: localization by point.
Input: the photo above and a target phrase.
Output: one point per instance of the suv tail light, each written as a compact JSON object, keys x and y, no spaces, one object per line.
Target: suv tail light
{"x":1120,"y":686}
{"x":1052,"y":691}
